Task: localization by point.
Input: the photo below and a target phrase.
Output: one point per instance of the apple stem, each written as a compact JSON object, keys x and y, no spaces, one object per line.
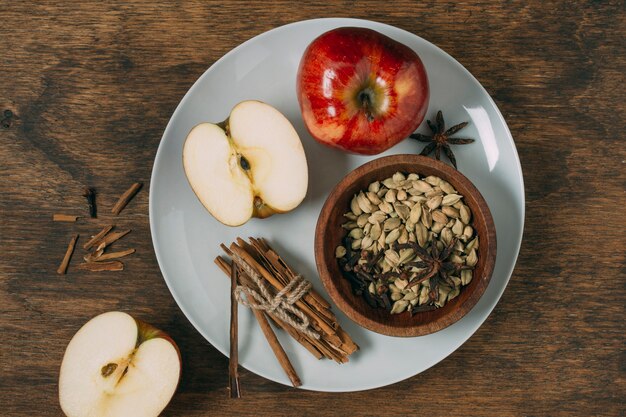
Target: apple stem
{"x":366,"y":103}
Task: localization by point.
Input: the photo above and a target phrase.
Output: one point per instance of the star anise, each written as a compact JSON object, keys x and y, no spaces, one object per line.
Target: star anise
{"x":441,"y":138}
{"x":434,"y":264}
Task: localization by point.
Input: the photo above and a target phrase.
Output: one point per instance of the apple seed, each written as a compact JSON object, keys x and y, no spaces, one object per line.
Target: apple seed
{"x":108,"y":369}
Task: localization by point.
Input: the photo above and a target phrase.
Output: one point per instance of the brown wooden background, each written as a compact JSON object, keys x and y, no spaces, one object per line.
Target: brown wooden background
{"x":92,"y":87}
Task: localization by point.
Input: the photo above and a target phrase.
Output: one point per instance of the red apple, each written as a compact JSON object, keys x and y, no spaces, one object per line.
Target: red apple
{"x":360,"y":90}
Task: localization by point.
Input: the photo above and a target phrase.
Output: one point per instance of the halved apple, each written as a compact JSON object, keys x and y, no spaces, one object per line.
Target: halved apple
{"x":118,"y":366}
{"x":251,"y":165}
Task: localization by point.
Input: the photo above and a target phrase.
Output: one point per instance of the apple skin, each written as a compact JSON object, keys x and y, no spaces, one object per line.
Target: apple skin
{"x":361,"y":91}
{"x":146,"y":331}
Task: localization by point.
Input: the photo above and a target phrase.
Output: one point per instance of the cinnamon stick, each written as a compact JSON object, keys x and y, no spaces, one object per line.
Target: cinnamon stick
{"x":110,"y":238}
{"x":276,"y":284}
{"x":97,"y":237}
{"x":333,"y":343}
{"x":272,"y":261}
{"x":62,"y":270}
{"x":267,"y":330}
{"x":101,"y":266}
{"x":126,"y":197}
{"x":233,"y":375}
{"x":225,"y":267}
{"x":64,"y":218}
{"x":99,"y":257}
{"x":272,"y":254}
{"x":284,"y":277}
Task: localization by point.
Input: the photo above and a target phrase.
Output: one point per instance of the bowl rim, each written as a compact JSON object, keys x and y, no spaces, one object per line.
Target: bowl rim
{"x":487,"y":251}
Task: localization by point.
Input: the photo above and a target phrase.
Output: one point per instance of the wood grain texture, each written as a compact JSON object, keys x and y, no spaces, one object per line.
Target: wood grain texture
{"x":329,"y":234}
{"x":90,"y":88}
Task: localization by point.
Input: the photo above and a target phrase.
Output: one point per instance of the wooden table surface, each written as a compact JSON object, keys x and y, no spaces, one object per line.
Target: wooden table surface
{"x":92,"y":86}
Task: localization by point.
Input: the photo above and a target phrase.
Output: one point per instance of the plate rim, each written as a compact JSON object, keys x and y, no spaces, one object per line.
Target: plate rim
{"x":334,"y":21}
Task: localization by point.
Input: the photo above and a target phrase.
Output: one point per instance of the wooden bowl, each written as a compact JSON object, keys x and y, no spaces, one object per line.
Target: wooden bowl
{"x":329,"y":233}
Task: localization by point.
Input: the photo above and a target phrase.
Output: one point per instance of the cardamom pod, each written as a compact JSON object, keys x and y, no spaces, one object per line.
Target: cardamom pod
{"x":366,"y":242}
{"x":392,"y":236}
{"x":398,"y":177}
{"x":390,"y":196}
{"x":437,"y":227}
{"x":427,"y":219}
{"x":400,"y":283}
{"x":423,"y":299}
{"x":364,"y":203}
{"x":406,"y":255}
{"x":389,"y":183}
{"x":356,"y":233}
{"x":450,"y":212}
{"x":381,"y":240}
{"x":409,"y":296}
{"x":450,"y":199}
{"x":354,"y":206}
{"x":466,"y":276}
{"x":399,"y":306}
{"x":375,"y":231}
{"x":434,"y":202}
{"x":350,"y":225}
{"x":377,"y":217}
{"x":439,"y":217}
{"x":446,"y":187}
{"x":457,"y":229}
{"x":404,"y":236}
{"x":422,"y":186}
{"x":454,"y":293}
{"x":473,"y":244}
{"x":472,"y":258}
{"x":402,"y":210}
{"x":391,"y":224}
{"x":373,"y":198}
{"x":421,"y":233}
{"x":436,"y":191}
{"x":446,"y":235}
{"x":385,"y":207}
{"x":374,"y":187}
{"x":465,"y":214}
{"x":416,"y":213}
{"x":350,"y":216}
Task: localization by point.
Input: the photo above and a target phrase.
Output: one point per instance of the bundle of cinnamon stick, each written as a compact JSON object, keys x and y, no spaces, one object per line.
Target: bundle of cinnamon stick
{"x":333,"y":342}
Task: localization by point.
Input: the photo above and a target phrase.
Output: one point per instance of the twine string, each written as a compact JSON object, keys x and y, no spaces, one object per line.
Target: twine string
{"x":281,"y":304}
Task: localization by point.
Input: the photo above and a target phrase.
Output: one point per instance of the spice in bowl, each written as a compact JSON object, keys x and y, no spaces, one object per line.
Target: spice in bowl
{"x":409,"y":244}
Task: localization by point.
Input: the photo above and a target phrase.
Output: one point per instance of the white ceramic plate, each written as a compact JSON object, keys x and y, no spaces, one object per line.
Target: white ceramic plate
{"x":186,"y":238}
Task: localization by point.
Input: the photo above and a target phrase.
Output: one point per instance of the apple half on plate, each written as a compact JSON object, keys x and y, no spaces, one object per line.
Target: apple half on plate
{"x":251,"y":165}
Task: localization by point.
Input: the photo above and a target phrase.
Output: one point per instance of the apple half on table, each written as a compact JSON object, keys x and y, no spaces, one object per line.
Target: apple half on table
{"x":251,"y":165}
{"x":117,"y":366}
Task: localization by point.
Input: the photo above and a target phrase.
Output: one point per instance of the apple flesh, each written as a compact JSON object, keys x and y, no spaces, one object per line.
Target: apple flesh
{"x":118,"y":366}
{"x":361,"y":91}
{"x":251,"y":165}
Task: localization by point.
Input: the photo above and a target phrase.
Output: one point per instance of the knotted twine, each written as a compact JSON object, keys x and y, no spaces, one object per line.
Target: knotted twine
{"x":282,"y":304}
